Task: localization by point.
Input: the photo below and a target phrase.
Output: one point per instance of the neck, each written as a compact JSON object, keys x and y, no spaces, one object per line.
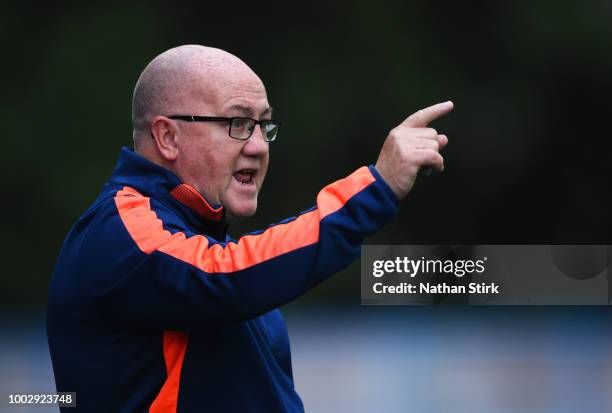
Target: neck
{"x":148,"y":150}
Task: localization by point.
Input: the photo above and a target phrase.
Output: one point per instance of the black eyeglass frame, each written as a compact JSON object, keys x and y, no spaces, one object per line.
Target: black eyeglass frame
{"x":262,"y":122}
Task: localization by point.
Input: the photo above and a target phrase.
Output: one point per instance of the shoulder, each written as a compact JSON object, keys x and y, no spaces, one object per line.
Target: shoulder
{"x":113,"y":239}
{"x":120,"y":226}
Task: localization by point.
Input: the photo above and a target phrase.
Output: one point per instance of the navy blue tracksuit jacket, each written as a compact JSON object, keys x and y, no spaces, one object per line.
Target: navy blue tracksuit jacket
{"x":153,"y":308}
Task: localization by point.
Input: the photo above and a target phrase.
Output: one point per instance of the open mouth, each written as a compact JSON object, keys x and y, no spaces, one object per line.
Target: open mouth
{"x":245,"y":176}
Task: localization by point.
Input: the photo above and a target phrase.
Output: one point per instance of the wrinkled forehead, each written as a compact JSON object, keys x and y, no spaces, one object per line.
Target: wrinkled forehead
{"x":231,"y":92}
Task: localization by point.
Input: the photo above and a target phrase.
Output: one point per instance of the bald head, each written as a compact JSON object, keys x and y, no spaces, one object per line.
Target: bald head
{"x":174,"y":80}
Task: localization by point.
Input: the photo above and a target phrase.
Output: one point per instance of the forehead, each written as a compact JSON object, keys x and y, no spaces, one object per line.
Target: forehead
{"x":240,"y":94}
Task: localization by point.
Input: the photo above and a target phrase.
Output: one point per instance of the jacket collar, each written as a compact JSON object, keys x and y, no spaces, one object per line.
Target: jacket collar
{"x":161,"y":184}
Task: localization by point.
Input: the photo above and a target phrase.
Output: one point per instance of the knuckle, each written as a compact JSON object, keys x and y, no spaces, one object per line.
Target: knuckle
{"x":428,"y":144}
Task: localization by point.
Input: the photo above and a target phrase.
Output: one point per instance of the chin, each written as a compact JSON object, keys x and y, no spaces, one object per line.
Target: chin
{"x":238,"y":212}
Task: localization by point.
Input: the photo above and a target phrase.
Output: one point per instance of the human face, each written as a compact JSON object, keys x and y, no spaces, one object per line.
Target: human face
{"x":224,"y":170}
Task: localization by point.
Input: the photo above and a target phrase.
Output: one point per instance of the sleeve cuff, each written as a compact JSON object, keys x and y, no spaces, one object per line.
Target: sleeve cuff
{"x":383,"y":183}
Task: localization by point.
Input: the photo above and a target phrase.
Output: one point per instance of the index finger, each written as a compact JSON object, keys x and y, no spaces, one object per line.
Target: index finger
{"x":424,"y":116}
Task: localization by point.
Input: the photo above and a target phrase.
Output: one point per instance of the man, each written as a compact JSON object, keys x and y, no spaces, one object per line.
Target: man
{"x":152,"y":306}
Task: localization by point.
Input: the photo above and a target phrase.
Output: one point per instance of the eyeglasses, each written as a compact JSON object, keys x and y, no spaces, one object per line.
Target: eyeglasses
{"x":240,"y":128}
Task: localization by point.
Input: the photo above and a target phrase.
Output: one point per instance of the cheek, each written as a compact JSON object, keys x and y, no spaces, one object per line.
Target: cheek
{"x":206,"y":166}
{"x":212,"y":172}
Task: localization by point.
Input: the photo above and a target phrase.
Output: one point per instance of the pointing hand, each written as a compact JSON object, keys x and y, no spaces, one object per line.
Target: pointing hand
{"x":412,"y":146}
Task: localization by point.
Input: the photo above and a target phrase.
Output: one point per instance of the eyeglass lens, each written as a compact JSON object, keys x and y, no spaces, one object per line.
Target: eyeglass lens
{"x":242,"y":128}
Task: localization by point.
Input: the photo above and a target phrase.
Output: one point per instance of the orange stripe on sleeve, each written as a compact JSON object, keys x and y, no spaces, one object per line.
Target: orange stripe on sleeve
{"x":175,"y":346}
{"x":334,"y":196}
{"x":146,"y":229}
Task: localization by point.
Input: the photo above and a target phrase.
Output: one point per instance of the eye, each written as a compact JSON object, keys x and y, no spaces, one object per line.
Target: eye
{"x":242,"y":124}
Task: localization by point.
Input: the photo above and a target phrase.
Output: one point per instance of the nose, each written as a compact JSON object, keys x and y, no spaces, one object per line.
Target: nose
{"x":256,"y":145}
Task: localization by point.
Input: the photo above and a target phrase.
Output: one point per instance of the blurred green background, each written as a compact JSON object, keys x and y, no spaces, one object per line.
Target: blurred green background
{"x":528,"y":159}
{"x":528,"y":163}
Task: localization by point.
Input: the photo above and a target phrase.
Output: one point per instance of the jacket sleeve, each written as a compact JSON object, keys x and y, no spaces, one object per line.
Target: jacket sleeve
{"x":164,"y":276}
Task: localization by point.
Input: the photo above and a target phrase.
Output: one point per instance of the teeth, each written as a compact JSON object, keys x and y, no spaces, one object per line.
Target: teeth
{"x":245,"y":176}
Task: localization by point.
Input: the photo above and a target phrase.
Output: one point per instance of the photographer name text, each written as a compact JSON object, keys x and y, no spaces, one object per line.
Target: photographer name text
{"x":404,"y":266}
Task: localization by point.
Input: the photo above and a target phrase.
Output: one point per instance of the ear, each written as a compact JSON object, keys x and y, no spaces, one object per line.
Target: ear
{"x":165,"y":132}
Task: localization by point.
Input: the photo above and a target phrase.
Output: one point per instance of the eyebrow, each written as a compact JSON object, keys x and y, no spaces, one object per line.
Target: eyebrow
{"x":247,"y":111}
